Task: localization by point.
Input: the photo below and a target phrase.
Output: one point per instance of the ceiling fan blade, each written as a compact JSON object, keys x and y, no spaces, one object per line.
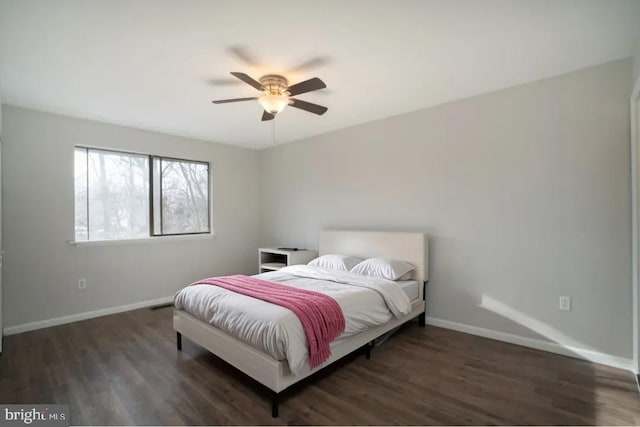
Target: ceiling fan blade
{"x":318,"y":61}
{"x":308,"y":106}
{"x":224,"y":101}
{"x":267,"y":116}
{"x":248,"y":80}
{"x":306,"y":86}
{"x":224,"y":82}
{"x":243,"y":54}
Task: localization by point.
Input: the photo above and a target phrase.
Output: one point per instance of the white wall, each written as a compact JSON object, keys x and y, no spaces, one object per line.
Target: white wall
{"x":41,"y":269}
{"x":634,"y":134}
{"x":525,"y":193}
{"x":636,"y":61}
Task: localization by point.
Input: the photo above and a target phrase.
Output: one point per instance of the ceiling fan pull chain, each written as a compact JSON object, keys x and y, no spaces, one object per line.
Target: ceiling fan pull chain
{"x":273,"y":132}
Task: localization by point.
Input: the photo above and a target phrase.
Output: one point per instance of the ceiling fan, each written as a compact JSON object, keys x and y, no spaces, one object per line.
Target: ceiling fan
{"x":278,"y":94}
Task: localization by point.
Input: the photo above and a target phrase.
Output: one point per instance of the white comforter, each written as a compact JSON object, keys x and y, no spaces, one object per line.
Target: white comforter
{"x":365,"y":301}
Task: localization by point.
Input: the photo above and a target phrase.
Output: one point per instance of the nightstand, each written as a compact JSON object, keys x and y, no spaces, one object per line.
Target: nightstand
{"x":271,"y":259}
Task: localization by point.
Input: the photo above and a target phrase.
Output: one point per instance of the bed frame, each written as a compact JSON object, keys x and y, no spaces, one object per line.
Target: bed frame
{"x":274,"y":374}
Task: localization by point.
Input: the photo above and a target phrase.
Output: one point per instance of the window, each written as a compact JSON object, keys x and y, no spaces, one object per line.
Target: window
{"x":127,"y":196}
{"x":183,"y":199}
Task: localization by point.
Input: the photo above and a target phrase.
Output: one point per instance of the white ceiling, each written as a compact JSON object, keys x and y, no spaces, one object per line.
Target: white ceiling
{"x":157,"y":64}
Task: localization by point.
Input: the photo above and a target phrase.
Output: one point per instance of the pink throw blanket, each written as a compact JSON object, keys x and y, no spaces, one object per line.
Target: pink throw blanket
{"x":320,"y":315}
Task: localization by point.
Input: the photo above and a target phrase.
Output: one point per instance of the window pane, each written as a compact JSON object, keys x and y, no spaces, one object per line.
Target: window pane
{"x":118,"y":195}
{"x":185,"y":197}
{"x":157,"y":225}
{"x":81,"y":194}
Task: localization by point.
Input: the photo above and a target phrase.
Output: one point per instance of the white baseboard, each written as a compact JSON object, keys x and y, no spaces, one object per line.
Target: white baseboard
{"x":10,"y":330}
{"x":552,"y":347}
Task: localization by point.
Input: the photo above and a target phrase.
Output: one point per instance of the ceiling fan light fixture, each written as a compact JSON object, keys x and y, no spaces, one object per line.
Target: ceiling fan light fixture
{"x":273,"y":103}
{"x":277,"y":94}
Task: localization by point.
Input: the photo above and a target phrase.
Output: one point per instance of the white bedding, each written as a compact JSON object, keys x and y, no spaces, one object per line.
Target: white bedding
{"x":410,"y":287}
{"x":365,"y":302}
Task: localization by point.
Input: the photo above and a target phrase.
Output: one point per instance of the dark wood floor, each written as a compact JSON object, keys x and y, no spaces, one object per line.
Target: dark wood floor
{"x":124,"y":369}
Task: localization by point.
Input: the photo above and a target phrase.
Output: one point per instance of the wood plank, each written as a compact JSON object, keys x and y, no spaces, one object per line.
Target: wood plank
{"x":125,"y":369}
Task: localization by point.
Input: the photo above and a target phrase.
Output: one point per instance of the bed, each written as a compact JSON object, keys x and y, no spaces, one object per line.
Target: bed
{"x":274,"y":372}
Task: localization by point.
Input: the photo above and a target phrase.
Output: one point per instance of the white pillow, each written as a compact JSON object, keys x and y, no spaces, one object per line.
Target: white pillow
{"x":407,"y":276}
{"x":335,"y":262}
{"x":385,"y":268}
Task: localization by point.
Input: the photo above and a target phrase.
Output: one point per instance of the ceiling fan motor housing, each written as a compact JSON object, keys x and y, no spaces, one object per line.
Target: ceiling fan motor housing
{"x":274,"y":84}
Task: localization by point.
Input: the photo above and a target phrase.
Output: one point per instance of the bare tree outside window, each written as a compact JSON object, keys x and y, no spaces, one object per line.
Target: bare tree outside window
{"x":82,"y":219}
{"x":113,"y":192}
{"x":185,"y":197}
{"x":118,"y":195}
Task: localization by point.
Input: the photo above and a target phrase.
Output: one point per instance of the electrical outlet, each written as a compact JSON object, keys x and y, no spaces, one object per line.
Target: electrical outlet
{"x":82,"y":284}
{"x":565,"y":303}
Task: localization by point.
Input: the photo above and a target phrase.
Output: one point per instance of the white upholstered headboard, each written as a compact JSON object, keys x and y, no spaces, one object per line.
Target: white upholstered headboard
{"x":410,"y":247}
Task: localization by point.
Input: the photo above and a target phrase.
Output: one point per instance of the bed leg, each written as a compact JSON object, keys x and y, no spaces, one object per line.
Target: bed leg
{"x":422,"y":320}
{"x":368,"y":348}
{"x":179,"y":340}
{"x":274,"y":404}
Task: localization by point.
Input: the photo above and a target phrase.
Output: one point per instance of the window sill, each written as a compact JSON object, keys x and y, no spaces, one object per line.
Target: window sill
{"x":143,"y":240}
